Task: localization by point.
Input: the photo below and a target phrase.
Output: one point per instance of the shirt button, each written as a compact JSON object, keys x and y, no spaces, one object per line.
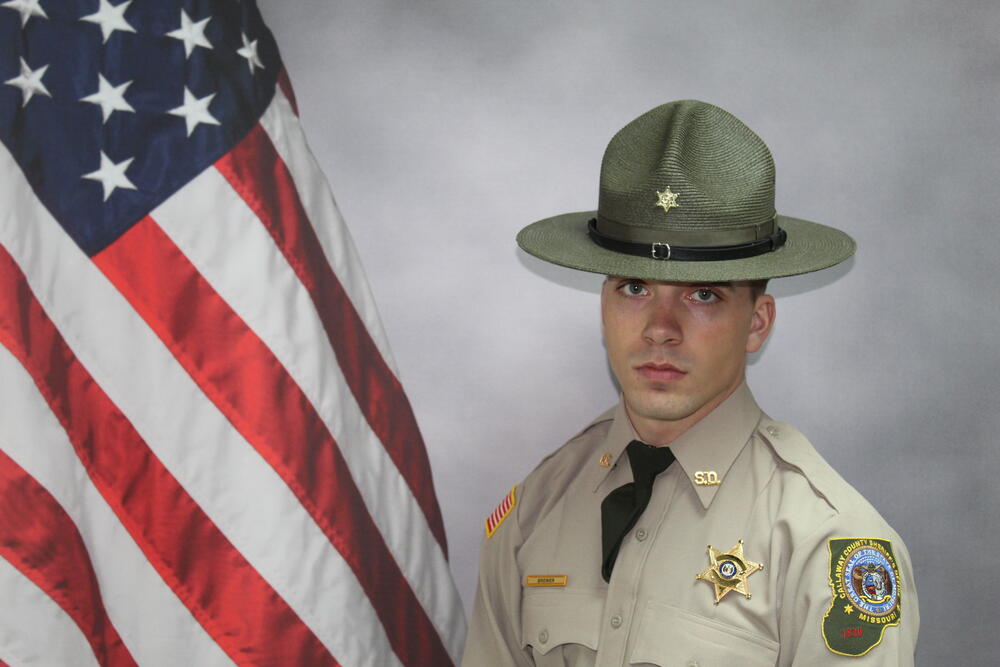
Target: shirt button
{"x":616,"y":621}
{"x":543,"y":636}
{"x":640,"y":534}
{"x":773,"y":432}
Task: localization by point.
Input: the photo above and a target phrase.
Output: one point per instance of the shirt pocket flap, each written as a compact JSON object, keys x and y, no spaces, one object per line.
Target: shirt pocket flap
{"x":553,"y":619}
{"x":670,"y":636}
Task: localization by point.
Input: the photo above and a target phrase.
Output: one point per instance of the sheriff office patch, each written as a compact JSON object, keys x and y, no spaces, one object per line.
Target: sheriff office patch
{"x":865,"y":581}
{"x":494,"y":520}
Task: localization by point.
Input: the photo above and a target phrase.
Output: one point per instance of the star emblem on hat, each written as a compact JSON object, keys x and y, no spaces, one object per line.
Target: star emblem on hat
{"x":728,"y":571}
{"x":666,"y":199}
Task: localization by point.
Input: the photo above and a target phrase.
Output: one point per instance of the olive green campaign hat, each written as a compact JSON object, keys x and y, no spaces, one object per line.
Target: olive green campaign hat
{"x":686,"y":195}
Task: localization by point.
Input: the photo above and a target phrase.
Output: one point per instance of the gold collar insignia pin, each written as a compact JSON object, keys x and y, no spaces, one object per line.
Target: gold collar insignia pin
{"x":666,"y":199}
{"x":707,"y":478}
{"x":605,"y":461}
{"x":729,"y":571}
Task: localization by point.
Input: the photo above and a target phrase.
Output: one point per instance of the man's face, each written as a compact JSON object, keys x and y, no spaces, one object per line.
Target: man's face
{"x":679,"y":349}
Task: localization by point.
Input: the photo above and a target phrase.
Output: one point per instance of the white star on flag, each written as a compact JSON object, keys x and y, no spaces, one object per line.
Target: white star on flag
{"x":27,"y":9}
{"x":192,"y":34}
{"x":111,"y":175}
{"x":110,"y":98}
{"x":30,"y":82}
{"x":249,"y":51}
{"x":194,"y":110}
{"x":110,"y":18}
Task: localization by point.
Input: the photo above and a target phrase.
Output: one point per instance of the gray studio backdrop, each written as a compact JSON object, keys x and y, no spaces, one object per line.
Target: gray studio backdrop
{"x":444,"y":127}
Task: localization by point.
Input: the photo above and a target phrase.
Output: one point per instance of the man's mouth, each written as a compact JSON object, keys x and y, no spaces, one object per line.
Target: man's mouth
{"x":660,"y":372}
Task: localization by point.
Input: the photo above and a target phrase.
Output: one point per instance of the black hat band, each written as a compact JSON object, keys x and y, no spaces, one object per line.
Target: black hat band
{"x":664,"y":251}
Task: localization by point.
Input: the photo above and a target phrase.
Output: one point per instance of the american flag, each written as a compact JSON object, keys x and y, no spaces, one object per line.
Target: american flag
{"x":205,"y":454}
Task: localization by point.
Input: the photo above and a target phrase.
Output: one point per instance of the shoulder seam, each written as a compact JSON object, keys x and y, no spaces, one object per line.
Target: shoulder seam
{"x":605,"y":416}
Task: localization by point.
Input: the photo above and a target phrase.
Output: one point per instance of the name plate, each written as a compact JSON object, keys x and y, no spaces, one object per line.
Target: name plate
{"x":546,"y":580}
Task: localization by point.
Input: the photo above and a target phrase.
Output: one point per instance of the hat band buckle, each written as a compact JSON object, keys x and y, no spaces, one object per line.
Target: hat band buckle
{"x":656,"y":249}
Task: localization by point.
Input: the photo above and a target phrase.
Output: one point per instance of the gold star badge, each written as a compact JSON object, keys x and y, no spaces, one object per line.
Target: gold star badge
{"x":666,"y":199}
{"x":729,"y":571}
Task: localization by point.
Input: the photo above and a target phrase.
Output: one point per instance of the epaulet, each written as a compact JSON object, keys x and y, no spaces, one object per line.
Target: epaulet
{"x":792,"y":447}
{"x":511,"y":500}
{"x":606,"y":416}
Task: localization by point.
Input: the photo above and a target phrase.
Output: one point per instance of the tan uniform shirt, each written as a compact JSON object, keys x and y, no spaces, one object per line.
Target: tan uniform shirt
{"x":775,"y":493}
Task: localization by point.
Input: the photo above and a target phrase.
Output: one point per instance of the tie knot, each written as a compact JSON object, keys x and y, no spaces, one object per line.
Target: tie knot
{"x":647,"y":461}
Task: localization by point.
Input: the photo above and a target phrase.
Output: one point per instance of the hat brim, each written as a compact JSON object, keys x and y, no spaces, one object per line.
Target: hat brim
{"x":564,"y":240}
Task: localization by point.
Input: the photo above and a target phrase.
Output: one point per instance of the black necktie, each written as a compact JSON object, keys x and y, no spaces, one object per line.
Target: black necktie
{"x":621,"y":508}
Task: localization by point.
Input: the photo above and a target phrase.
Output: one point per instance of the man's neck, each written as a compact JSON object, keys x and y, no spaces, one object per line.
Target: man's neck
{"x":662,"y":432}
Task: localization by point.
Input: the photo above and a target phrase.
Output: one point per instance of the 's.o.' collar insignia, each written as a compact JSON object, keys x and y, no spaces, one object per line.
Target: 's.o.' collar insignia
{"x":707,"y":478}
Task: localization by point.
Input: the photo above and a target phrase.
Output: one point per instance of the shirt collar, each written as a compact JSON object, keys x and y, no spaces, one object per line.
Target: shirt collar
{"x":706,"y":451}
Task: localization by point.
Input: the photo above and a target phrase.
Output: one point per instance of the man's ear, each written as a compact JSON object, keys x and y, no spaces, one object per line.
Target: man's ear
{"x":761,"y":322}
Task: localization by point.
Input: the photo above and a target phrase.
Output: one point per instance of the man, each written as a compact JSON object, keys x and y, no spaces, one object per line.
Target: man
{"x":599,"y":557}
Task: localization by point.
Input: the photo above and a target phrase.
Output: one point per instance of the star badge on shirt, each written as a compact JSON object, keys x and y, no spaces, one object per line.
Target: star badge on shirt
{"x":728,"y":571}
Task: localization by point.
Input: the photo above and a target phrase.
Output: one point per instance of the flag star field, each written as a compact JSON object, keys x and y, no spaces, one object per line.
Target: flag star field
{"x":85,"y":91}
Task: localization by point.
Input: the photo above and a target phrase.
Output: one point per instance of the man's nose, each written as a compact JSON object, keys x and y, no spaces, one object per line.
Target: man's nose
{"x":662,"y":324}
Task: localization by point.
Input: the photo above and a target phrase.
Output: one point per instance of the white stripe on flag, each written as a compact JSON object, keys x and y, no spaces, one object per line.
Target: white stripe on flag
{"x":140,"y":605}
{"x":443,"y":604}
{"x":239,"y":491}
{"x":319,"y":204}
{"x":34,"y":630}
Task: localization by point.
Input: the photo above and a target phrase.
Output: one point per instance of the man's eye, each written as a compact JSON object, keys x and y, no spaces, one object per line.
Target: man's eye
{"x":633,"y":289}
{"x":704,"y":295}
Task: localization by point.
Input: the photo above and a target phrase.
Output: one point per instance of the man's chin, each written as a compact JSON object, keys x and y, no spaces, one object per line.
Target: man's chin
{"x":671,"y":410}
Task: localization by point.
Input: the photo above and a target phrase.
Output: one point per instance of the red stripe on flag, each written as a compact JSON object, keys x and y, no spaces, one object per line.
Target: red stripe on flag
{"x":235,"y":605}
{"x":255,"y":161}
{"x":286,"y":88}
{"x":248,"y":384}
{"x":41,"y":540}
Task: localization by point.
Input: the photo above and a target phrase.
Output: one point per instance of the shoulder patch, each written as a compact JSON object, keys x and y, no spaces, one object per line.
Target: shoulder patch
{"x":867,"y":594}
{"x":494,"y":520}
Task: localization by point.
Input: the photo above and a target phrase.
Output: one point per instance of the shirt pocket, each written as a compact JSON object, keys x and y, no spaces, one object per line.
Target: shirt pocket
{"x":559,"y":624}
{"x":673,"y":637}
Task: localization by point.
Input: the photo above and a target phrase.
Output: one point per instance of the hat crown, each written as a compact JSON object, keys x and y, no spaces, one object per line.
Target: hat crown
{"x":686,"y":195}
{"x":721,"y":172}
